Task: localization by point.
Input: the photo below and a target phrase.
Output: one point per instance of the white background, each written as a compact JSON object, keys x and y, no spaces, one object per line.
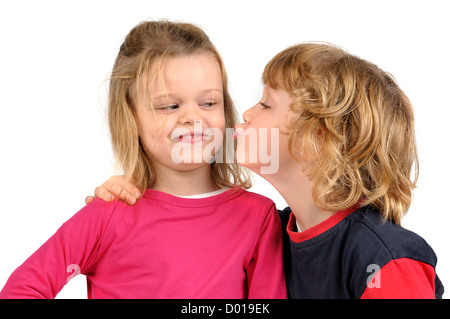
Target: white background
{"x":56,"y":55}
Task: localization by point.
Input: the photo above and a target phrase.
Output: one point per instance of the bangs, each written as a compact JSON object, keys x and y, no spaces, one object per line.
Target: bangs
{"x":270,"y":74}
{"x":275,"y":74}
{"x":285,"y":70}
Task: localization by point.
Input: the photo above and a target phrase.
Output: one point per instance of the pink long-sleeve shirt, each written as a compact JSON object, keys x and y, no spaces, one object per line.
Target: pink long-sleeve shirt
{"x":224,"y":246}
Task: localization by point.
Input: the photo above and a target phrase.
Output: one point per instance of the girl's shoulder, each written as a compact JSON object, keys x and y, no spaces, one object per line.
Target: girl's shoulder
{"x":97,"y":212}
{"x":256,"y":199}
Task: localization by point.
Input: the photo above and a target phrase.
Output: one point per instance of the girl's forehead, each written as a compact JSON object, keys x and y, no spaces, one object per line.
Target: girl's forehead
{"x":200,"y":72}
{"x":176,"y":63}
{"x":181,"y":75}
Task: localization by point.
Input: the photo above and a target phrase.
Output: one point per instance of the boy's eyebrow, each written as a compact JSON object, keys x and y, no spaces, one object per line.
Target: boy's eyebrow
{"x":169,"y":95}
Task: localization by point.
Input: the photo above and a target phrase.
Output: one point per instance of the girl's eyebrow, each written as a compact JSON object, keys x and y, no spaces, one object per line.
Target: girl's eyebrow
{"x":163,"y":96}
{"x":211,"y":90}
{"x":170,"y":95}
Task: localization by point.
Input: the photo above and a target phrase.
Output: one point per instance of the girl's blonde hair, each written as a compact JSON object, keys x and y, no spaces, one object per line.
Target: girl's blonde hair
{"x":144,"y":49}
{"x":355,"y":128}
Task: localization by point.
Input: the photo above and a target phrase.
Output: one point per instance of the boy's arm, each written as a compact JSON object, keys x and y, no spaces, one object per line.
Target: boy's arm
{"x":116,"y":187}
{"x":265,"y":272}
{"x":70,"y":251}
{"x":402,"y":278}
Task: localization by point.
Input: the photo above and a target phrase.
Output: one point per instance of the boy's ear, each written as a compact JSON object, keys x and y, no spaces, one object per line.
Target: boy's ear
{"x":306,"y":153}
{"x":320,"y":140}
{"x":321,"y":137}
{"x":311,"y":153}
{"x":291,"y":118}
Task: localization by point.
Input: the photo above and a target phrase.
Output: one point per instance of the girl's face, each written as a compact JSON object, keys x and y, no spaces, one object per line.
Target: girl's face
{"x":182,"y":123}
{"x":269,"y":121}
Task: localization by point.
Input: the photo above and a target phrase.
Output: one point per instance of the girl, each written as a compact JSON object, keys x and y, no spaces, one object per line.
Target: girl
{"x":168,"y":91}
{"x":347,"y":148}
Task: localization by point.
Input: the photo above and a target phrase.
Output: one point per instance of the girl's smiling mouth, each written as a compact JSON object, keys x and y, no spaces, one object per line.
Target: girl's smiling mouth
{"x":190,"y":137}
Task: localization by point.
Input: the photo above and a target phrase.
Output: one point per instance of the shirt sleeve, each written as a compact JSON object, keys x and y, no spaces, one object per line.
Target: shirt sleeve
{"x":265,"y":272}
{"x":70,"y":251}
{"x":402,"y":278}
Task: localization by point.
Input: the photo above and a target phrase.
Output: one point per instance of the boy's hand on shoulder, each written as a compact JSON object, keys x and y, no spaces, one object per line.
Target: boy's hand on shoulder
{"x":116,"y":187}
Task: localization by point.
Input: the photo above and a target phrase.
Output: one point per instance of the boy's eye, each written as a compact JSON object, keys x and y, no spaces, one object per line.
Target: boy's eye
{"x":264,"y":106}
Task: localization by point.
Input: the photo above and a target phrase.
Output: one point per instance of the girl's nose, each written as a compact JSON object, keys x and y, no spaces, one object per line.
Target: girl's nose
{"x":189,"y":114}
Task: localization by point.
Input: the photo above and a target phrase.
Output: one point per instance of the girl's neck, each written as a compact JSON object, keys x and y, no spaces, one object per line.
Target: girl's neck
{"x":184,"y":182}
{"x":296,"y":189}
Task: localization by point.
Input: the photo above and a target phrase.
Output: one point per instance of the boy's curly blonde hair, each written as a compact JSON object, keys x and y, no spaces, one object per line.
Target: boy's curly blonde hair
{"x":355,"y":129}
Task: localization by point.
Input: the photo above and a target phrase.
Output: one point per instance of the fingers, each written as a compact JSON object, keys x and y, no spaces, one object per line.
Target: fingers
{"x":103,"y":193}
{"x":117,"y":187}
{"x":132,"y":190}
{"x":88,"y":199}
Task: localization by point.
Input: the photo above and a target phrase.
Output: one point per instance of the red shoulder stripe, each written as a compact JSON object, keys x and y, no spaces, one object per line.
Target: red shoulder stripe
{"x":402,"y":278}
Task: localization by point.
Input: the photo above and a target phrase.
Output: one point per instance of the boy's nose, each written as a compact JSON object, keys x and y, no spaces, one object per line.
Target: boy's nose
{"x":248,"y":115}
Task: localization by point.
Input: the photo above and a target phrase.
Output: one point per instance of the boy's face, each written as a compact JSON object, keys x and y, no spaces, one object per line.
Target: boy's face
{"x":184,"y":113}
{"x":269,"y":120}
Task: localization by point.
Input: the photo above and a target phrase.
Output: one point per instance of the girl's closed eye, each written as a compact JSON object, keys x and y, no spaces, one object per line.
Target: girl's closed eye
{"x":208,"y":104}
{"x":167,"y":108}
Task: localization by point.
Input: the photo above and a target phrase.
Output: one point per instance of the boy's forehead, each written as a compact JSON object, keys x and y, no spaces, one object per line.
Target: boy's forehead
{"x":270,"y":91}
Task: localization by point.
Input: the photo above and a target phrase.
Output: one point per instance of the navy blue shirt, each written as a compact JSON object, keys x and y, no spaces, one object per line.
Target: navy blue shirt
{"x":338,"y":262}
